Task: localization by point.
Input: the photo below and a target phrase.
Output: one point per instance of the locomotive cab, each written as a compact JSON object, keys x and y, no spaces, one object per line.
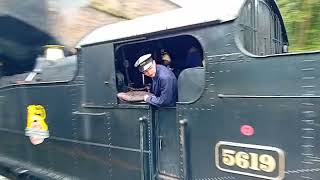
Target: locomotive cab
{"x":228,"y":122}
{"x":171,"y":135}
{"x":190,"y":86}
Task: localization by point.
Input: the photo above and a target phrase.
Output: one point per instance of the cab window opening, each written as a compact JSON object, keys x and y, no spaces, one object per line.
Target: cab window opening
{"x":176,"y":53}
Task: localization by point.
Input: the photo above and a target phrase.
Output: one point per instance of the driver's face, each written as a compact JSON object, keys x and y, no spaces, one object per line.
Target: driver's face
{"x":150,"y":72}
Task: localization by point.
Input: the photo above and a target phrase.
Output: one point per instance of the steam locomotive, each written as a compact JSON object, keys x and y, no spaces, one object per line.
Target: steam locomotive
{"x":250,"y":112}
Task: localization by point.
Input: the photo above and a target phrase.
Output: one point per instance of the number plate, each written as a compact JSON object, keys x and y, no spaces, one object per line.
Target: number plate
{"x":251,"y":160}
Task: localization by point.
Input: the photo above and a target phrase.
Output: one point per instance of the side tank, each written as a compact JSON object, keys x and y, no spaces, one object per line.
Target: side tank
{"x":251,"y":112}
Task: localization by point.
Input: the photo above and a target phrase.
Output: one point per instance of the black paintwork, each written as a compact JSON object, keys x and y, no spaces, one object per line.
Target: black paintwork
{"x":94,"y":136}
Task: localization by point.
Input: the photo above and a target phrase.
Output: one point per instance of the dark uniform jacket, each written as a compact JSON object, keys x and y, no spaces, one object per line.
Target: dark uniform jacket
{"x":193,"y":60}
{"x":164,"y":88}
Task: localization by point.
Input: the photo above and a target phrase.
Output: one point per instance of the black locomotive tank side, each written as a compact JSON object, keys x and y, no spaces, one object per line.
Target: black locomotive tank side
{"x":250,"y":111}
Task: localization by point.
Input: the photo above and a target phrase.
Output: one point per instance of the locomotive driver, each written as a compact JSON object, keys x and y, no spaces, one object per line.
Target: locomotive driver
{"x":164,"y":82}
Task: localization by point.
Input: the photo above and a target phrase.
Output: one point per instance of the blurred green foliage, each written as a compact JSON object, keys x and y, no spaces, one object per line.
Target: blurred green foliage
{"x":302,"y":20}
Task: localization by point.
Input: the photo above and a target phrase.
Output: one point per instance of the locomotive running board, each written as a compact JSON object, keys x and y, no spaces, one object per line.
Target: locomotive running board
{"x":13,"y":169}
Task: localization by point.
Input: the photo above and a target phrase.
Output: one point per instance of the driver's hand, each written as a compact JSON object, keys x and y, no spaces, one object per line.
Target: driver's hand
{"x":145,"y":97}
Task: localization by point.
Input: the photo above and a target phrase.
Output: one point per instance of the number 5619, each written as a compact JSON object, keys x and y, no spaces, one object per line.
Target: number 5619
{"x":244,"y":160}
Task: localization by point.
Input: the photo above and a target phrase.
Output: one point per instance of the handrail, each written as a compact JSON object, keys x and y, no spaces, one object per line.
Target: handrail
{"x":183,"y":125}
{"x":142,"y":121}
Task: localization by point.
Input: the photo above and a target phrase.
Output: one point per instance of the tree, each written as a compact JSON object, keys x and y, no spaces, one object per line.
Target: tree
{"x":302,"y":20}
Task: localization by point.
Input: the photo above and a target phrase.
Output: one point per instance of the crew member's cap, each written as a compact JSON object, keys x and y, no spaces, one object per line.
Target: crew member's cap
{"x":144,"y":62}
